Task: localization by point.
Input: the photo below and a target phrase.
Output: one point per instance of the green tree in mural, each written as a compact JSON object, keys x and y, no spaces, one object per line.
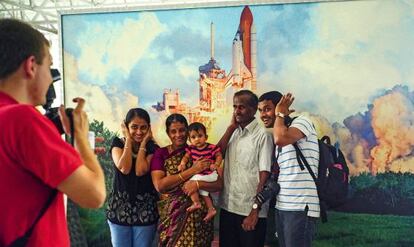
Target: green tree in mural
{"x":387,"y":192}
{"x":94,"y":221}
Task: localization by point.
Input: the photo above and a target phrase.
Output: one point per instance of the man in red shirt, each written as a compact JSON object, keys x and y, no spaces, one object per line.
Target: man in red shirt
{"x":34,"y":160}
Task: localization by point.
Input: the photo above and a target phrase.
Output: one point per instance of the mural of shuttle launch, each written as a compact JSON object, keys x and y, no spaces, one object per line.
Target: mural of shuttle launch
{"x":349,"y":65}
{"x":339,"y":69}
{"x":216,"y":87}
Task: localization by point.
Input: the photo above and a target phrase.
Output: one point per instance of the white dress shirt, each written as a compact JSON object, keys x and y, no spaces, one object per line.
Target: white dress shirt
{"x":249,"y":152}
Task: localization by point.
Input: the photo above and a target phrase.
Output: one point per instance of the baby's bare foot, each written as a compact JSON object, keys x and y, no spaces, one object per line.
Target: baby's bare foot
{"x":210,"y":214}
{"x":195,"y":206}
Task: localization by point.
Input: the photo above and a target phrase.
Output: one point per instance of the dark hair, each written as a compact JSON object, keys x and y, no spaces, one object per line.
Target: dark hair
{"x":196,"y":126}
{"x":253,"y":101}
{"x":274,"y":96}
{"x":175,"y":117}
{"x":18,"y":41}
{"x":137,"y":112}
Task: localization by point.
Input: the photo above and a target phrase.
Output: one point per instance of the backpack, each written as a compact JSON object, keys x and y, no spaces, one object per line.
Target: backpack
{"x":333,"y":175}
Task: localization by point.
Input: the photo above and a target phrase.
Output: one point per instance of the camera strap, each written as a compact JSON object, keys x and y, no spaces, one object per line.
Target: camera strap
{"x":69,"y":113}
{"x":22,"y":241}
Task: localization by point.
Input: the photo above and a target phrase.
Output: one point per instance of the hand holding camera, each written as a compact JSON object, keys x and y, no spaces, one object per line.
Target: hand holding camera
{"x":270,"y":189}
{"x":79,"y":127}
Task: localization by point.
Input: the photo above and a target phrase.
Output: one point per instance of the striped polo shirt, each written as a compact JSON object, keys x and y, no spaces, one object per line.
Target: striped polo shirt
{"x":297,"y":188}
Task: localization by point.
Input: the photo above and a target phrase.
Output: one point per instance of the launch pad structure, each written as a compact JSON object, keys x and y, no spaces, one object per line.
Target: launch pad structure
{"x":216,"y":88}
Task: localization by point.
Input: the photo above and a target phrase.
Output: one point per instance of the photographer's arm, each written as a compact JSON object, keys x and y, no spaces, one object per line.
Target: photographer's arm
{"x":86,"y":185}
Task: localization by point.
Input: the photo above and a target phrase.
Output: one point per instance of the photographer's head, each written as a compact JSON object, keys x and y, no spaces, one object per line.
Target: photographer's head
{"x":267,"y":105}
{"x":24,"y":62}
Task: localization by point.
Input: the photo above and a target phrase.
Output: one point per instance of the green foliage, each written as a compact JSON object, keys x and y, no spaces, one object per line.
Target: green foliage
{"x":390,"y":189}
{"x":387,"y":180}
{"x":94,"y":221}
{"x":95,"y":227}
{"x":101,"y":131}
{"x":105,"y":159}
{"x":364,"y":180}
{"x":346,"y":229}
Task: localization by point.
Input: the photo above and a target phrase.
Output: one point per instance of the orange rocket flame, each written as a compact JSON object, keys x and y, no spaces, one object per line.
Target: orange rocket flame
{"x":392,"y":118}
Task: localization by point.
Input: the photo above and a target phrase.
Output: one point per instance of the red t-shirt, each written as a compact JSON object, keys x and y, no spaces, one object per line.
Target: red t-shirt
{"x":33,"y":159}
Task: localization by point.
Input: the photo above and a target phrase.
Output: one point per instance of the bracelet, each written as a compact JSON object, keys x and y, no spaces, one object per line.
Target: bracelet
{"x":143,"y":149}
{"x":125,"y":147}
{"x":198,"y":185}
{"x":182,"y":179}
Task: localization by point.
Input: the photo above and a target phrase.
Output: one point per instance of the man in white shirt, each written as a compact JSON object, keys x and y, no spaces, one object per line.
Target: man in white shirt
{"x":247,"y":164}
{"x":297,"y":204}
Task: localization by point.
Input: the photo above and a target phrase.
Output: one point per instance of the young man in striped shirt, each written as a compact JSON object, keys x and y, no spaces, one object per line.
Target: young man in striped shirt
{"x":297,"y":204}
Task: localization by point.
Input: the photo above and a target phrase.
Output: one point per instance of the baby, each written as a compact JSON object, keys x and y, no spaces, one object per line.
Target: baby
{"x":198,"y":149}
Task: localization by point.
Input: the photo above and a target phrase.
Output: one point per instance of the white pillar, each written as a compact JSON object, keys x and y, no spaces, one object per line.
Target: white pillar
{"x":212,"y":40}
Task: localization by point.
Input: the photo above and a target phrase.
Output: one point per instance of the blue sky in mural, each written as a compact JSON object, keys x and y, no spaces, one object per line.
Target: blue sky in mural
{"x":175,"y":47}
{"x":329,"y":50}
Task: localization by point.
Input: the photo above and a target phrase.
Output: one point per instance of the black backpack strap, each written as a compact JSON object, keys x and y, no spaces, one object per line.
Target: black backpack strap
{"x":279,"y":150}
{"x":298,"y":156}
{"x":288,"y":122}
{"x":22,"y":241}
{"x":302,"y":161}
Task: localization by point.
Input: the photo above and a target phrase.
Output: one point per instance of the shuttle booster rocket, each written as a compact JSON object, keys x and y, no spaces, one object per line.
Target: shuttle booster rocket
{"x":246,"y":21}
{"x":243,"y":73}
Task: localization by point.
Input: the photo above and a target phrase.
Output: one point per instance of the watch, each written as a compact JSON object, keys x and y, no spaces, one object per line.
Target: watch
{"x":279,"y":114}
{"x":255,"y":206}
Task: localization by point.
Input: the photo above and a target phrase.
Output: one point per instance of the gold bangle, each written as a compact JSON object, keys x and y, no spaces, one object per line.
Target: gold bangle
{"x":182,"y":179}
{"x":198,"y":185}
{"x":143,"y":149}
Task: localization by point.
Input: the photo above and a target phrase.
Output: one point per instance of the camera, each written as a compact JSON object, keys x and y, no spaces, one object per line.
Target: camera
{"x":270,"y":189}
{"x":52,"y":112}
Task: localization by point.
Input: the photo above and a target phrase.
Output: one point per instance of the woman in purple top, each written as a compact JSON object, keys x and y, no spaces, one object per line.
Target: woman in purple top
{"x":177,"y":227}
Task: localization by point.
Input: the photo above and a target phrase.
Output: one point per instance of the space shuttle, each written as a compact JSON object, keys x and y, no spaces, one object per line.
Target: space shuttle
{"x":244,"y":72}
